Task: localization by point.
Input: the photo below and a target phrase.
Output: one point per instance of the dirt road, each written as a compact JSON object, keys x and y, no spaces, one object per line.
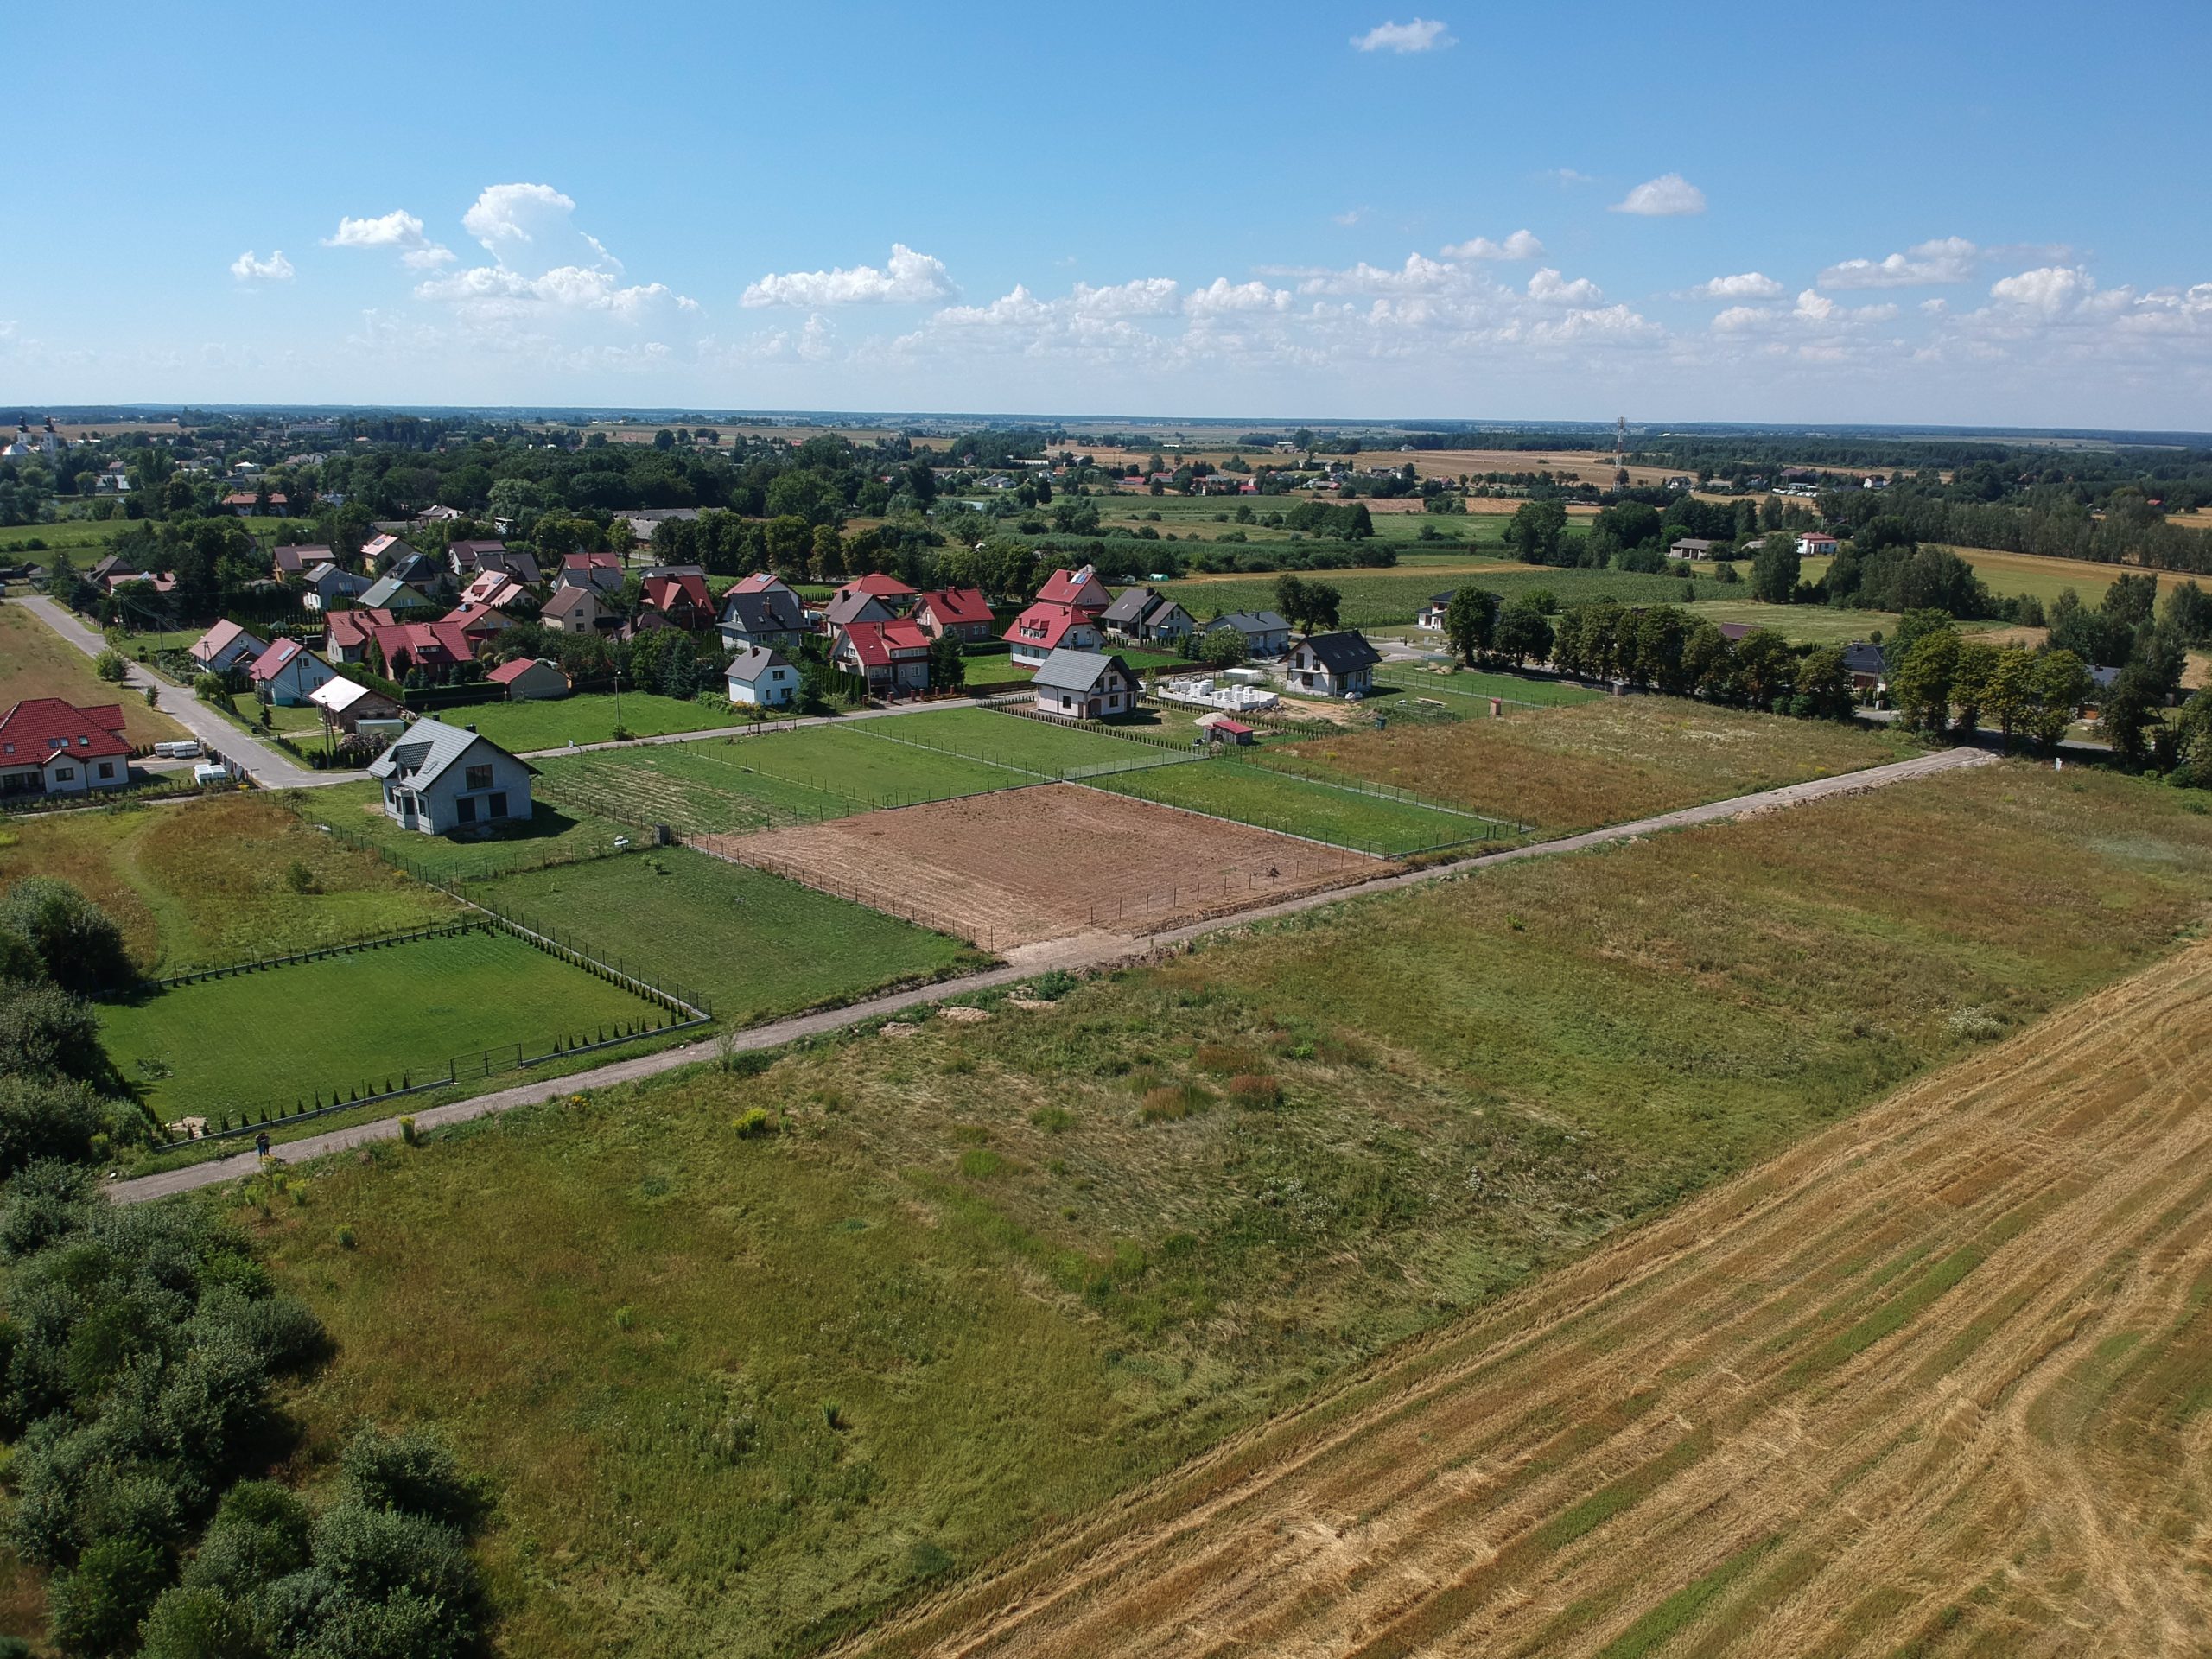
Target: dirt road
{"x":1936,"y":1380}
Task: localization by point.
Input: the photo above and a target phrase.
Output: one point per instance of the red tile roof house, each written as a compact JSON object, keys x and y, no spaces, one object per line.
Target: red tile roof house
{"x":434,"y":647}
{"x":51,"y":748}
{"x":243,"y":502}
{"x":1080,"y":589}
{"x":224,"y":646}
{"x":892,"y":656}
{"x":478,"y":622}
{"x":1045,"y":628}
{"x":896,"y":595}
{"x":531,"y":679}
{"x":683,"y":600}
{"x":287,"y":672}
{"x":347,"y":633}
{"x":494,"y":588}
{"x":963,"y":612}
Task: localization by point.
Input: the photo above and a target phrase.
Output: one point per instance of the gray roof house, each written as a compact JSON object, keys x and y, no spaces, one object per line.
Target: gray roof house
{"x":1146,"y":614}
{"x":1085,"y":685}
{"x":1334,"y":664}
{"x":769,"y":616}
{"x":855,"y":606}
{"x":390,"y":594}
{"x":763,"y":678}
{"x":1265,"y":633}
{"x":438,"y":778}
{"x":571,"y":610}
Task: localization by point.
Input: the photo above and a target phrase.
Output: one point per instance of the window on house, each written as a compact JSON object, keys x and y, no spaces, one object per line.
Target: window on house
{"x":479,"y":777}
{"x":467,"y":812}
{"x":107,"y":768}
{"x":499,"y":804}
{"x":65,"y":774}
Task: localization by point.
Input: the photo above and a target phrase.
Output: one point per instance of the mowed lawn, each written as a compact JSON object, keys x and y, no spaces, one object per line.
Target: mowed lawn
{"x":556,"y":834}
{"x":1479,"y":686}
{"x":354,"y":1020}
{"x":755,"y":945}
{"x":1602,"y":762}
{"x":737,"y":1395}
{"x":728,"y":785}
{"x":229,"y":878}
{"x":1021,"y":745}
{"x":1339,"y":812}
{"x":36,"y":662}
{"x":1810,"y":625}
{"x":592,"y":717}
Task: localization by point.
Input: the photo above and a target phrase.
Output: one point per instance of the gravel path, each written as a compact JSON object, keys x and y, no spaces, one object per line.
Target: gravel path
{"x":1084,"y":951}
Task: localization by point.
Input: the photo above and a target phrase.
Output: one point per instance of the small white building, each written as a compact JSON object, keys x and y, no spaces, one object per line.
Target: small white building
{"x":762,"y":677}
{"x":1334,"y":664}
{"x":1085,"y":685}
{"x":438,"y":778}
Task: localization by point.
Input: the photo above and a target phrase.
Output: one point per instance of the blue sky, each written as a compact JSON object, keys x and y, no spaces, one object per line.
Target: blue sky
{"x":1910,"y":213}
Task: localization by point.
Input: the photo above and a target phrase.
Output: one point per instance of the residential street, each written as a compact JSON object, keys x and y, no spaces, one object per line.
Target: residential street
{"x":1085,"y":951}
{"x":270,"y":767}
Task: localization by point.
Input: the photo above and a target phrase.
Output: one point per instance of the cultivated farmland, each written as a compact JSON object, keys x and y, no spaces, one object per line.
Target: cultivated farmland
{"x":1013,"y":868}
{"x":1392,"y":598}
{"x":1602,"y":762}
{"x":1034,"y":1259}
{"x":266,"y":1040}
{"x":1976,"y":1311}
{"x":757,"y":946}
{"x":1034,"y":746}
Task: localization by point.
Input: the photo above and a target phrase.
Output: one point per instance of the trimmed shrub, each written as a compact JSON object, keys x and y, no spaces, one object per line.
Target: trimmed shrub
{"x":94,"y":1609}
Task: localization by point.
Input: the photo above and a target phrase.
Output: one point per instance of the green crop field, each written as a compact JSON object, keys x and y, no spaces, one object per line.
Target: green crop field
{"x":1318,"y":804}
{"x":733,"y":784}
{"x":1477,"y":687}
{"x":1393,"y":597}
{"x":755,"y":945}
{"x":266,"y":1040}
{"x":592,"y":718}
{"x":1028,"y":745}
{"x":200,"y":883}
{"x":556,"y":834}
{"x":739,"y":1396}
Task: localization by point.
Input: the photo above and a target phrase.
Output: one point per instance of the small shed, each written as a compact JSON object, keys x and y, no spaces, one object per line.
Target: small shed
{"x":531,"y":679}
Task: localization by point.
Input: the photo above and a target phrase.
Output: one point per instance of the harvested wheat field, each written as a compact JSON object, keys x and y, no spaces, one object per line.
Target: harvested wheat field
{"x":1024,"y":865}
{"x":1936,"y":1382}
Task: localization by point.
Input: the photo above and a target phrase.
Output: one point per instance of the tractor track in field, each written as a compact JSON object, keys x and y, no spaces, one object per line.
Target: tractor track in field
{"x":1937,"y":1379}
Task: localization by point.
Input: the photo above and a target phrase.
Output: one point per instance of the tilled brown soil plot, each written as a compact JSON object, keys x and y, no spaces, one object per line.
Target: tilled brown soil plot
{"x":1936,"y":1382}
{"x":1024,"y":865}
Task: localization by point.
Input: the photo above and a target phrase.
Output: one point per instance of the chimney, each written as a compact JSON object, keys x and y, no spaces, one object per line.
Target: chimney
{"x":471,"y":730}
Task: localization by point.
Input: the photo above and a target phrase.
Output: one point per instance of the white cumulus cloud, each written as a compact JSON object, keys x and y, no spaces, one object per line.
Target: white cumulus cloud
{"x":275,"y":269}
{"x":1422,"y":35}
{"x":1550,"y":287}
{"x":1668,"y":196}
{"x":399,"y":229}
{"x":509,"y":218}
{"x":1145,"y":296}
{"x":1946,"y":259}
{"x":2046,"y":291}
{"x":1745,"y":285}
{"x":1221,"y":297}
{"x":909,"y":278}
{"x":1521,"y":244}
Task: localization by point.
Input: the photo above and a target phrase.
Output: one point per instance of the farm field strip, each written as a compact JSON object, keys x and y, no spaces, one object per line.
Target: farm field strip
{"x":1975,"y":1311}
{"x":267,"y":1039}
{"x":1473,"y":685}
{"x":1311,"y":808}
{"x":1041,"y":750}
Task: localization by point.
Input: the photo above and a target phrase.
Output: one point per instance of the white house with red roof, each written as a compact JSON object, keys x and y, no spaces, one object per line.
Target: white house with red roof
{"x":893,"y":595}
{"x":431,"y":646}
{"x":1045,"y":627}
{"x":494,"y":590}
{"x":346,"y":634}
{"x":891,"y":656}
{"x":1079,"y":589}
{"x":51,"y":748}
{"x":963,"y":612}
{"x":1815,"y":544}
{"x":287,"y":672}
{"x":478,"y":623}
{"x":225,"y":647}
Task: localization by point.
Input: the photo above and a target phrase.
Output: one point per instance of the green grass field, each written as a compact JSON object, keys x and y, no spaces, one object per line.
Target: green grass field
{"x":557,"y":833}
{"x":1388,"y":598}
{"x":592,"y":718}
{"x":729,"y":785}
{"x":267,"y":1040}
{"x":200,"y":883}
{"x":1026,"y":746}
{"x":757,"y":946}
{"x":1309,"y":801}
{"x":1477,"y":686}
{"x":736,"y":1396}
{"x":36,"y":662}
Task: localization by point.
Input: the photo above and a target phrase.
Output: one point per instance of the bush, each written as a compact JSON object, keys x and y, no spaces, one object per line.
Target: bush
{"x":94,"y":1608}
{"x":258,"y":1536}
{"x":112,"y":665}
{"x":752,"y":1123}
{"x":373,"y":1554}
{"x":411,"y":1472}
{"x":199,"y":1624}
{"x":46,"y":1119}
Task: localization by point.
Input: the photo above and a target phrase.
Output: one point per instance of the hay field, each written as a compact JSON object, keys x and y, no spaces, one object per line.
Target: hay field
{"x":1935,"y":1381}
{"x":36,"y":662}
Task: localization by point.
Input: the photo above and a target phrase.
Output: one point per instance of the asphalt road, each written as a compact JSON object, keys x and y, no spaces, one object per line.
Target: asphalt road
{"x":1085,"y":951}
